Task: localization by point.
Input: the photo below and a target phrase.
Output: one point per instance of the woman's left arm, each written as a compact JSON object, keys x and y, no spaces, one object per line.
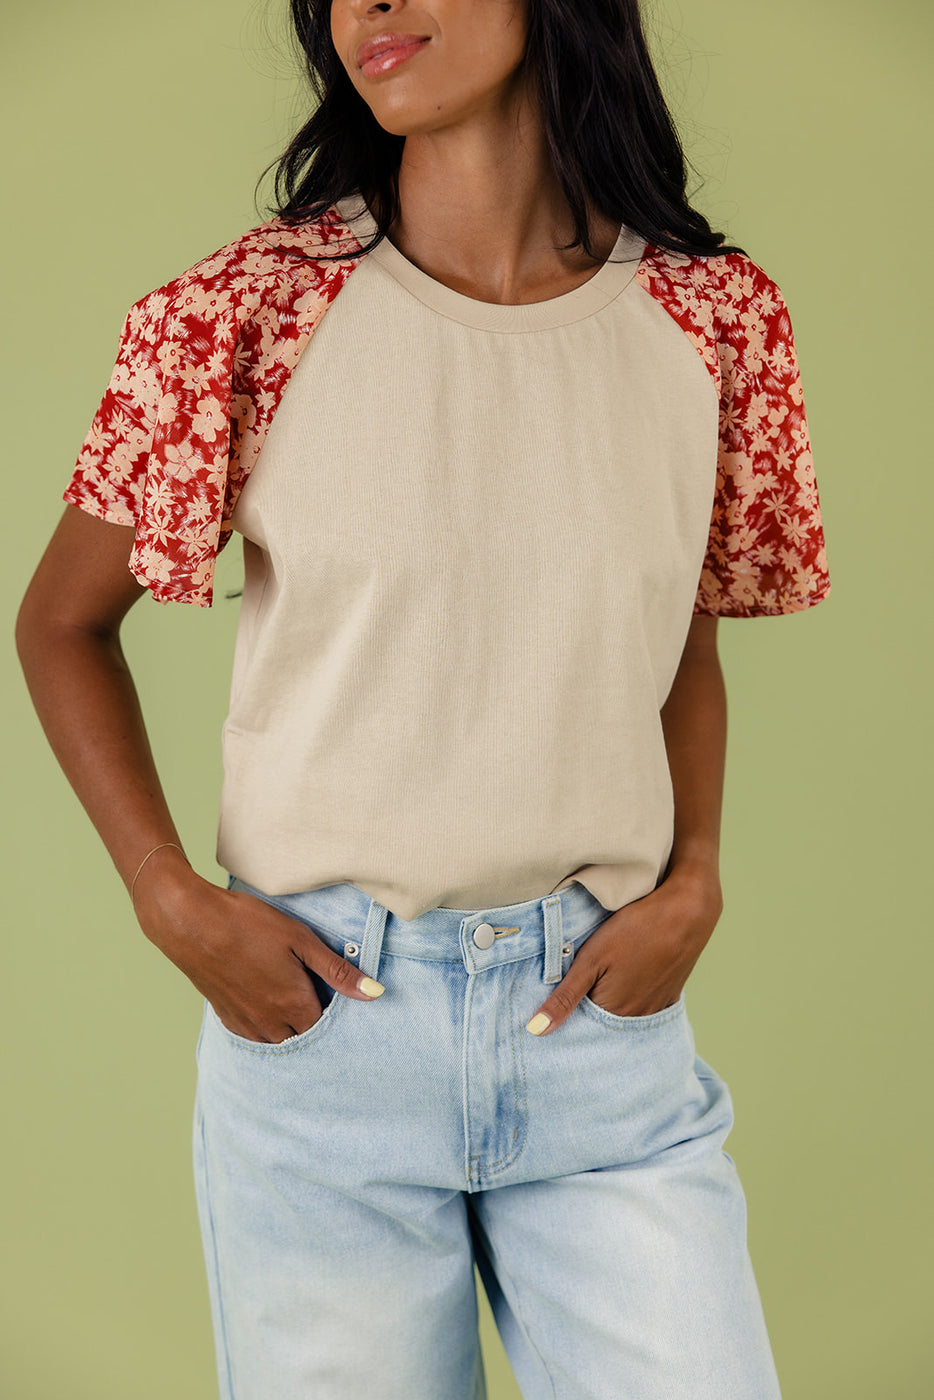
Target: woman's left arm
{"x":694,"y":723}
{"x":639,"y":959}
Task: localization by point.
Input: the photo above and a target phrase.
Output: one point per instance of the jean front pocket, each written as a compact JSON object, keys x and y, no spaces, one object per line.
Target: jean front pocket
{"x":652,"y":1021}
{"x":329,"y":1015}
{"x":341,"y":941}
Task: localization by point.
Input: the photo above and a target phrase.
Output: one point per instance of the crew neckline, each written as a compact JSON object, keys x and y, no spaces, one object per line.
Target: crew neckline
{"x":598,"y":291}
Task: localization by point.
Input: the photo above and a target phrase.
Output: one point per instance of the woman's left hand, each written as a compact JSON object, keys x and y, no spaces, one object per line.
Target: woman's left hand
{"x":638,"y":960}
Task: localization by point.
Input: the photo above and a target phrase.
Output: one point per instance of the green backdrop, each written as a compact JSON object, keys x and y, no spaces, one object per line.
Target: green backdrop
{"x":134,"y":136}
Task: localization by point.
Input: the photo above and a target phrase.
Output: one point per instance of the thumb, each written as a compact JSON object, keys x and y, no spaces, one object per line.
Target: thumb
{"x":555,"y":1010}
{"x":340,"y":973}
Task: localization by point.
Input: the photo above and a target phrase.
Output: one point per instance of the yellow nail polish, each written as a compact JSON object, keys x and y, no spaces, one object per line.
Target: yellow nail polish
{"x":372,"y":989}
{"x":538,"y":1023}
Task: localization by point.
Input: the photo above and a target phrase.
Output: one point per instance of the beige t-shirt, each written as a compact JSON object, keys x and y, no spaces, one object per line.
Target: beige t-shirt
{"x":473,"y":539}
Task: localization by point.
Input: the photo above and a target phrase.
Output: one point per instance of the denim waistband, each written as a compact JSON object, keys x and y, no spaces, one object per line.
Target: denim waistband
{"x":549,"y":926}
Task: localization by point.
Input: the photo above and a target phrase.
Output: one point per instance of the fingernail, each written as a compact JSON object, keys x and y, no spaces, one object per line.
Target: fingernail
{"x":372,"y":989}
{"x":538,"y":1023}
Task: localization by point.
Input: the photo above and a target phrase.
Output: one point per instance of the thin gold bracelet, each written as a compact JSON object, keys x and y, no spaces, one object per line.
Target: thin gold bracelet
{"x":146,"y":857}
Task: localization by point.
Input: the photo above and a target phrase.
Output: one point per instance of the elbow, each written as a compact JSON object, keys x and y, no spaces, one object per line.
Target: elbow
{"x":27,"y":628}
{"x":34,"y":636}
{"x":40,"y":632}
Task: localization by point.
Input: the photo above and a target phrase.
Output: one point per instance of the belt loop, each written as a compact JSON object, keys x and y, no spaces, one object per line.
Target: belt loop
{"x":551,"y":908}
{"x":372,"y":943}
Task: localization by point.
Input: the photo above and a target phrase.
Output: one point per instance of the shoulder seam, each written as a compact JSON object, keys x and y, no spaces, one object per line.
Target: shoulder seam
{"x":223,"y":261}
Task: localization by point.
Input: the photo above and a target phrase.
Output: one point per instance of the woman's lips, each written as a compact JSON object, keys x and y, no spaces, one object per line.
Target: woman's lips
{"x":391,"y":58}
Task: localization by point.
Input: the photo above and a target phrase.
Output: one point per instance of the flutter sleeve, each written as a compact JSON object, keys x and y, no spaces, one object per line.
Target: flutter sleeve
{"x":110,"y":473}
{"x":202,"y":363}
{"x":158,"y":453}
{"x":765,"y":552}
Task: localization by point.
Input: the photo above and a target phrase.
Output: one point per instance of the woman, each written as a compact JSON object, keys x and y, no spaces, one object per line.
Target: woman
{"x":504,"y":428}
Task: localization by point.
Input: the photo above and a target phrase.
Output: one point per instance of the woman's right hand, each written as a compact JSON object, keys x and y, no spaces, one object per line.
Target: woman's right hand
{"x":252,"y":961}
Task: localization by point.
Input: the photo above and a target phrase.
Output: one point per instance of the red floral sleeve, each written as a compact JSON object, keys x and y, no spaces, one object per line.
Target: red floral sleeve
{"x":110,"y":472}
{"x":201,"y":366}
{"x":765,"y":550}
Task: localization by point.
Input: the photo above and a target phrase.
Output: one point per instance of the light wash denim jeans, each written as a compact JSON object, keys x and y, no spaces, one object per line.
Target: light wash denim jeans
{"x":349,"y":1178}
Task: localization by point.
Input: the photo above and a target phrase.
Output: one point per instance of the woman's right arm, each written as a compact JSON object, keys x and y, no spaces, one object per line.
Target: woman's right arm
{"x":250,"y":960}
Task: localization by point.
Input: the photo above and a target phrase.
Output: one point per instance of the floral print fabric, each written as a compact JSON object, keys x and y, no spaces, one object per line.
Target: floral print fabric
{"x":203,"y":361}
{"x":201,"y":367}
{"x":765,"y":551}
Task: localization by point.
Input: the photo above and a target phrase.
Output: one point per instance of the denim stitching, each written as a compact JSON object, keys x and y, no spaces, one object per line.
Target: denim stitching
{"x":502,"y":1273}
{"x":636,"y":1023}
{"x":465,"y":1096}
{"x":227,"y":1378}
{"x":295,"y":1042}
{"x":500,"y":1165}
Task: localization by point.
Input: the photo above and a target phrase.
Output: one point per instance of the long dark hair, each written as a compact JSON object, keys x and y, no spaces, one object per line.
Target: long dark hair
{"x":610,"y":135}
